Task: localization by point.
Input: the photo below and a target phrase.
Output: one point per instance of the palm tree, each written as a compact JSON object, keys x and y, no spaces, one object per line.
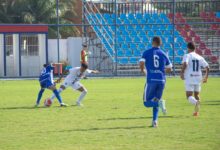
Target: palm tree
{"x":39,"y":12}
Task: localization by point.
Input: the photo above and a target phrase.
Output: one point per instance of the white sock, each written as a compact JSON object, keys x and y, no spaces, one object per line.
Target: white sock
{"x":81,"y":97}
{"x":53,"y":96}
{"x":192,"y":100}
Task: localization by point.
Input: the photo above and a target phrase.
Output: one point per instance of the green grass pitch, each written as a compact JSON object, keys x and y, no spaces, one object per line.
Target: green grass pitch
{"x":113,"y":118}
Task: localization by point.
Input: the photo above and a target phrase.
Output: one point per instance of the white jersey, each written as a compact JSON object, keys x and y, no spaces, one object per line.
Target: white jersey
{"x":193,"y":72}
{"x":75,"y":75}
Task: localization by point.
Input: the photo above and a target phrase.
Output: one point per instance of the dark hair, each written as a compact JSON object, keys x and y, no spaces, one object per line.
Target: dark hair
{"x":45,"y":65}
{"x":84,"y":66}
{"x":157,"y":40}
{"x":191,"y":46}
{"x":84,"y":45}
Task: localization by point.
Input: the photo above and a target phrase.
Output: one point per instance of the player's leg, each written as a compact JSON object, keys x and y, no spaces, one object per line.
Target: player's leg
{"x":151,"y":101}
{"x":149,"y":95}
{"x":189,"y":93}
{"x":83,"y":91}
{"x":155,"y":116}
{"x":197,"y":97}
{"x":39,"y":96}
{"x":62,"y":88}
{"x":56,"y":93}
{"x":159,"y":94}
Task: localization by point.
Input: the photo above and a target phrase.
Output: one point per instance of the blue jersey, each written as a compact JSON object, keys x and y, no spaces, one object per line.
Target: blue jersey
{"x":156,"y":61}
{"x":46,"y":74}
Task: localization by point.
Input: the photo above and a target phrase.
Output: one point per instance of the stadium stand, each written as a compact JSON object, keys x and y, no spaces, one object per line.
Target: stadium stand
{"x":133,"y":35}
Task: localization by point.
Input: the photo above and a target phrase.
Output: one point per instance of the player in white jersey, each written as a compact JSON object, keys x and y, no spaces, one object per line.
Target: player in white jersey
{"x":191,"y":72}
{"x":73,"y":80}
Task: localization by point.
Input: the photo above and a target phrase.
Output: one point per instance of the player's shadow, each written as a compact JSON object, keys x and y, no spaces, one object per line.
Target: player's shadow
{"x":22,"y":107}
{"x":211,"y":102}
{"x":132,"y":118}
{"x":102,"y":129}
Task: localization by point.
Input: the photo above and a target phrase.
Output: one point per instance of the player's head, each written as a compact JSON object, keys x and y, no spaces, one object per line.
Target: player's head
{"x":191,"y":47}
{"x":83,"y":67}
{"x":45,"y":65}
{"x":84,"y":46}
{"x":156,"y":41}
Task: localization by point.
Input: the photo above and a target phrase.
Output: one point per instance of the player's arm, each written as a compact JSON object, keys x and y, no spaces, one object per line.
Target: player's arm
{"x":183,"y":68}
{"x":142,"y":67}
{"x":142,"y":64}
{"x":95,"y":71}
{"x":92,"y":71}
{"x":206,"y":66}
{"x":168,"y":67}
{"x":61,"y":76}
{"x":205,"y":79}
{"x":184,"y":65}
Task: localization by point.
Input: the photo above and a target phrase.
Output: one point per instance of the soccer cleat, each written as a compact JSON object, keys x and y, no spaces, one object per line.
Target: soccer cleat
{"x":196,"y":114}
{"x":154,"y":124}
{"x":162,"y":106}
{"x":79,"y":104}
{"x":36,"y":105}
{"x":63,"y":105}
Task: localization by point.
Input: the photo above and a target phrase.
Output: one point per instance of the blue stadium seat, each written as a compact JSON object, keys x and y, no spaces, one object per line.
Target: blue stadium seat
{"x":139,"y":16}
{"x":125,"y":32}
{"x":151,"y":21}
{"x":124,"y":46}
{"x":169,"y":27}
{"x":147,"y":27}
{"x":137,"y":53}
{"x":150,"y":33}
{"x":128,"y":53}
{"x":123,"y":16}
{"x":141,"y":46}
{"x":158,"y":33}
{"x":130,"y":28}
{"x":133,"y":46}
{"x":131,"y":16}
{"x":218,"y":14}
{"x":123,"y":61}
{"x":138,"y":27}
{"x":143,"y":21}
{"x":126,"y":21}
{"x":120,"y":53}
{"x":133,"y":60}
{"x":166,"y":32}
{"x":155,"y":27}
{"x":142,"y":33}
{"x":137,"y":39}
{"x":177,"y":60}
{"x":144,"y":38}
{"x":134,"y":21}
{"x":180,"y":52}
{"x":128,"y":39}
{"x":147,"y":16}
{"x":133,"y":33}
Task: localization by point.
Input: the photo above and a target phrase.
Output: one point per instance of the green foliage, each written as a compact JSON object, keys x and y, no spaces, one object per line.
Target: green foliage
{"x":39,"y":12}
{"x":113,"y":118}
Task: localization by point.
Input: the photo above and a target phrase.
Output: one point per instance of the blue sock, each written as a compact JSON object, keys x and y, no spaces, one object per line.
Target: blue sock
{"x":155,"y":113}
{"x":58,"y":96}
{"x":39,"y":96}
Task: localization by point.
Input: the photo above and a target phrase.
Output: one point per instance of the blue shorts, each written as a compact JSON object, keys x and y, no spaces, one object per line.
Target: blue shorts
{"x":46,"y":84}
{"x":153,"y":90}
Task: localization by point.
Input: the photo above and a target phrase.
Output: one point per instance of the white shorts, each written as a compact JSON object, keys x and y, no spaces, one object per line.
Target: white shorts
{"x":75,"y":86}
{"x":193,"y":87}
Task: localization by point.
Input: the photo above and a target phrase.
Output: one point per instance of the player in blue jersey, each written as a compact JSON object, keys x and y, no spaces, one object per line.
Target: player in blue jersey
{"x":156,"y":63}
{"x":46,"y":82}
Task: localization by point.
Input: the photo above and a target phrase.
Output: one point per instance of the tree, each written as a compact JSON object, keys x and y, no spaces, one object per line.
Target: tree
{"x":39,"y":12}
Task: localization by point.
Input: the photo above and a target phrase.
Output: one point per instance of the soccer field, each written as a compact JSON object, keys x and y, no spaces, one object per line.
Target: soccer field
{"x":113,"y":118}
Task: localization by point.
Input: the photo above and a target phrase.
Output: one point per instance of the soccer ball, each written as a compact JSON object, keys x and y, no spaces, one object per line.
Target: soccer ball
{"x":48,"y":102}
